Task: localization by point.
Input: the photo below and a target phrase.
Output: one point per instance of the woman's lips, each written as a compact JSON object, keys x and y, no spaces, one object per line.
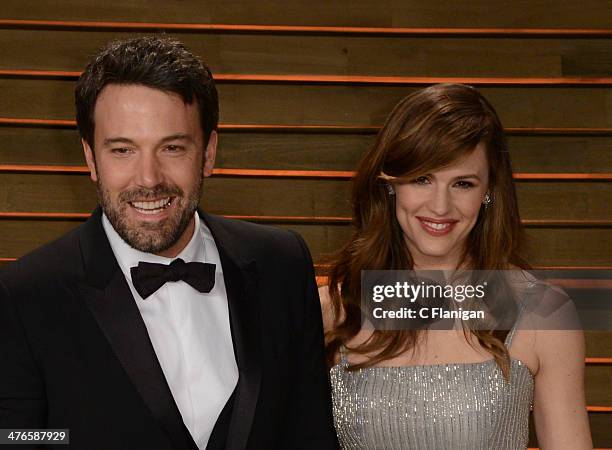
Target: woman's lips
{"x":437,"y":227}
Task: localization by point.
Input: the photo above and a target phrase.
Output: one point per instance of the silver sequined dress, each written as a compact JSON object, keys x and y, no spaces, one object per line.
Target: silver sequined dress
{"x":434,"y":407}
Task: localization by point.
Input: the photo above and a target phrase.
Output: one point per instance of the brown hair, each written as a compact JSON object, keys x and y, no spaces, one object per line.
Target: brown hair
{"x":428,"y":130}
{"x":158,"y":62}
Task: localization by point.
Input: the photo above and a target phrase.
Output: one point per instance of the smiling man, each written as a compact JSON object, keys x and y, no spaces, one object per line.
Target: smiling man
{"x":149,"y":165}
{"x":154,"y":324}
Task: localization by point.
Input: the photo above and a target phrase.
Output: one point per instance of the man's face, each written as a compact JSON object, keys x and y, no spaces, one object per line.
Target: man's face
{"x":148,"y":165}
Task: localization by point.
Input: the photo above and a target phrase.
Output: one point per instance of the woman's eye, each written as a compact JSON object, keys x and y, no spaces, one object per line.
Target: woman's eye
{"x":463,"y":184}
{"x":421,"y":180}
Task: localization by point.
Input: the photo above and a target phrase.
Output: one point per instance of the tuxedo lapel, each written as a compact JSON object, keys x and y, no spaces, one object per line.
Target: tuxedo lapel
{"x":110,"y":300}
{"x":240,"y":275}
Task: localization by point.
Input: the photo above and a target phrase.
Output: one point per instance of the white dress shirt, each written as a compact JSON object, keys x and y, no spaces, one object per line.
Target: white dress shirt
{"x":190,"y":331}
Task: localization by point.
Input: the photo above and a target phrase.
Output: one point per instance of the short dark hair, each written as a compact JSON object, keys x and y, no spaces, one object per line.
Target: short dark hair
{"x":158,"y":62}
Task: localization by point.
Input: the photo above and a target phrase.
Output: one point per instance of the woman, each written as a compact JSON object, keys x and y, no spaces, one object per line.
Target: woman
{"x":435,"y":192}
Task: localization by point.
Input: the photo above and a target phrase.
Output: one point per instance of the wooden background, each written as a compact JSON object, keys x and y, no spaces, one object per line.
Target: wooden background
{"x":304,"y":87}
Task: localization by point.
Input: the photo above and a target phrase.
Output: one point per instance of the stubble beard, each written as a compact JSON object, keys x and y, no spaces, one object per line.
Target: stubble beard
{"x":151,"y":237}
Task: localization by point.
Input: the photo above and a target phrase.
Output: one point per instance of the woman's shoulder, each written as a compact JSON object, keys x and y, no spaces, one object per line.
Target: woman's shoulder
{"x":548,"y":314}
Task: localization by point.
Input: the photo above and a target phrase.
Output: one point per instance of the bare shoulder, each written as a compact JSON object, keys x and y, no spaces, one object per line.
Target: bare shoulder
{"x":559,"y":400}
{"x":560,"y":347}
{"x":559,"y":339}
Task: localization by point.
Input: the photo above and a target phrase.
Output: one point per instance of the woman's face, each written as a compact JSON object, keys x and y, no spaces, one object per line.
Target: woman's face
{"x":437,"y":211}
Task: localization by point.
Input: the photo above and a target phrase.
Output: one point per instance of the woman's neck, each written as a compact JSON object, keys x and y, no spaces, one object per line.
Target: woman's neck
{"x":437,"y":264}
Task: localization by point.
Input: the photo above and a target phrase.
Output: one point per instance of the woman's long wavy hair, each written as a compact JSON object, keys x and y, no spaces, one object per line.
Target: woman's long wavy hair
{"x":429,"y":129}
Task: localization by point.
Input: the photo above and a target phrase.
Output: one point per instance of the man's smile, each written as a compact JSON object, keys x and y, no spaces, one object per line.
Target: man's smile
{"x":152,"y":205}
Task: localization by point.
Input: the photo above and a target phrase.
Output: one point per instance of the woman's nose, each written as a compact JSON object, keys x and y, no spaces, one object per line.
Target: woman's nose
{"x":440,"y":201}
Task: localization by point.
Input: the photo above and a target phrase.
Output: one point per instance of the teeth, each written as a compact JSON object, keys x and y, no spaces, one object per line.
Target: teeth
{"x":437,"y":226}
{"x":152,"y":206}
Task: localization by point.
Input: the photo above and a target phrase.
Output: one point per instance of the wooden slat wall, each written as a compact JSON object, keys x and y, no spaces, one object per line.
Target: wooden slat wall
{"x":383,"y":13}
{"x":302,"y":92}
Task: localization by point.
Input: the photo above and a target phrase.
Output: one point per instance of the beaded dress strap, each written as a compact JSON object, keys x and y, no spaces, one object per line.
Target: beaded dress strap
{"x":510,"y":336}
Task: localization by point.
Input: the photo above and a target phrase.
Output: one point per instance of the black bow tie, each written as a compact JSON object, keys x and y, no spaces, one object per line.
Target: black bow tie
{"x":149,"y":277}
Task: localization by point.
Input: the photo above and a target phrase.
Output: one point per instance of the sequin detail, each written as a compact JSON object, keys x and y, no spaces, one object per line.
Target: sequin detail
{"x":436,"y":407}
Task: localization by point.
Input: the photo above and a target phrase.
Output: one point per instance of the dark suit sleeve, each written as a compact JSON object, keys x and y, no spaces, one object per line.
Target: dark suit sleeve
{"x":22,"y":398}
{"x":310,"y":424}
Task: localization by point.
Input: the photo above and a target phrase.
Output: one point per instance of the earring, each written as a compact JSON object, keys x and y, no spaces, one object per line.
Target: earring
{"x":487,"y":200}
{"x":390,"y":190}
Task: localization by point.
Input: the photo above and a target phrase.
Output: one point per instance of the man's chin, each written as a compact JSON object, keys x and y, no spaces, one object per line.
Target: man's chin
{"x":147,"y":236}
{"x":149,"y":233}
{"x":152,"y":244}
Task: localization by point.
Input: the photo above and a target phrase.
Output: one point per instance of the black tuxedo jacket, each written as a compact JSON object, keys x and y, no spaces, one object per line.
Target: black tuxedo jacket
{"x":75,"y":353}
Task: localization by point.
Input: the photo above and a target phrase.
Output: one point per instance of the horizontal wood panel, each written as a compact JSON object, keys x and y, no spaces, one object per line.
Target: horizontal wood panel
{"x":18,"y":237}
{"x":538,"y":200}
{"x":561,"y":153}
{"x":576,"y":199}
{"x":340,"y":55}
{"x":559,"y":247}
{"x":306,"y":30}
{"x":598,"y":380}
{"x":343,"y":80}
{"x":22,"y":145}
{"x":338,"y":105}
{"x":551,"y":247}
{"x":601,"y":430}
{"x":312,"y":151}
{"x":386,"y":13}
{"x":598,"y":344}
{"x":316,"y":151}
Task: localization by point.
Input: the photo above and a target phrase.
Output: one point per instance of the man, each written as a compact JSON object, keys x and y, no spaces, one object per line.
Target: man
{"x":154,"y":325}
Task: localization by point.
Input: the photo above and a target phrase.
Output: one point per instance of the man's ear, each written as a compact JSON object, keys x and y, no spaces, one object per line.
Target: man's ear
{"x":90,"y":160}
{"x":210,"y":154}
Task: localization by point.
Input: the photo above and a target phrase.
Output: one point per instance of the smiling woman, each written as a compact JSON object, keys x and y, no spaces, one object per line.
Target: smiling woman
{"x":437,"y":211}
{"x":435,"y":192}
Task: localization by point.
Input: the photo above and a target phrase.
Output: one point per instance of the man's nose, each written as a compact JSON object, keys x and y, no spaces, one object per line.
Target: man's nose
{"x":149,"y":171}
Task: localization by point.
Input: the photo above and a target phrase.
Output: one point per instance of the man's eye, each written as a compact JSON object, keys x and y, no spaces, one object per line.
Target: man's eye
{"x":174,"y":148}
{"x":463,"y":184}
{"x":121,"y":150}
